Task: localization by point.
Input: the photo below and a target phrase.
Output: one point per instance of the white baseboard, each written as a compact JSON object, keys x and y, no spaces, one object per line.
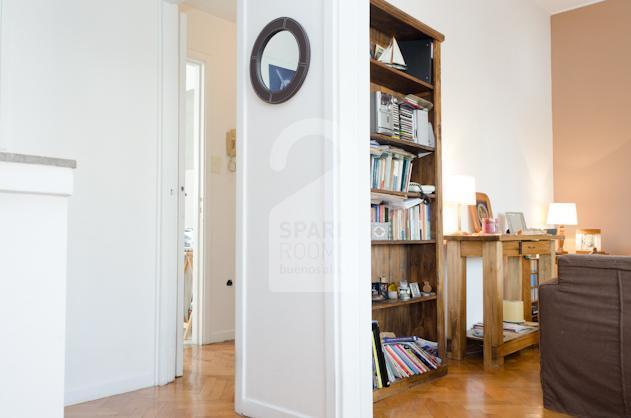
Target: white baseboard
{"x":254,"y":408}
{"x":219,"y":336}
{"x":103,"y":390}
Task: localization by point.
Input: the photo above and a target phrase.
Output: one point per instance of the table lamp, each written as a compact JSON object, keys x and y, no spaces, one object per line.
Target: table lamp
{"x":460,"y":190}
{"x":562,"y":214}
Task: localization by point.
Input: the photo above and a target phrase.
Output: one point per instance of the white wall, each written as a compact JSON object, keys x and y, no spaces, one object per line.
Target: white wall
{"x":283,"y":330}
{"x":497,"y":117}
{"x":80,"y":80}
{"x":303,"y":253}
{"x":213,"y":41}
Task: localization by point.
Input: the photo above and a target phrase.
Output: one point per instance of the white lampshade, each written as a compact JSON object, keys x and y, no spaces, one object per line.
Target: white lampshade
{"x":562,"y":214}
{"x":460,"y":190}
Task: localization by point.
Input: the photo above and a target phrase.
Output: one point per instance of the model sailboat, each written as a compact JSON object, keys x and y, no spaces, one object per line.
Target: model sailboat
{"x":392,"y":56}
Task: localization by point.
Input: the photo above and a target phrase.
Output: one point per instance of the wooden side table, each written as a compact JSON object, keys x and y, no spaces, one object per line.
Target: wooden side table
{"x":502,"y":270}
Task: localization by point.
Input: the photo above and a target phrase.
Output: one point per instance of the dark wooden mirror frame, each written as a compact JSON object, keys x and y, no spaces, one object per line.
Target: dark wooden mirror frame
{"x":271,"y":29}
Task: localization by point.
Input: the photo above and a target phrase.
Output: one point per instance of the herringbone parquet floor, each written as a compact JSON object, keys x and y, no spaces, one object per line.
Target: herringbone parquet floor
{"x":207,"y":390}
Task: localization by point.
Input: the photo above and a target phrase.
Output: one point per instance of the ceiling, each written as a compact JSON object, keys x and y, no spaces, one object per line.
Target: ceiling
{"x":227,"y":9}
{"x":558,"y":6}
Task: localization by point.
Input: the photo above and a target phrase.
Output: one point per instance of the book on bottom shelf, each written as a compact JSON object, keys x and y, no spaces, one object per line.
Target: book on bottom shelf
{"x":400,"y":358}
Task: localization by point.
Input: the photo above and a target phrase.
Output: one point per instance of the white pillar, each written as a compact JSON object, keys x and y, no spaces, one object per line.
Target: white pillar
{"x":303,"y":226}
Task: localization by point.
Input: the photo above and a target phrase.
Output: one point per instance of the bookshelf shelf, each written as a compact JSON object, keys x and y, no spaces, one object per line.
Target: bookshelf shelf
{"x":512,"y":342}
{"x":403,"y":242}
{"x":397,"y":80}
{"x":405,"y":195}
{"x":404,"y":384}
{"x":401,"y":143}
{"x":395,"y":303}
{"x":409,"y":260}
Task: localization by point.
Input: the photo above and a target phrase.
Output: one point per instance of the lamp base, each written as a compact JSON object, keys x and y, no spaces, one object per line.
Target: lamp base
{"x":561,"y":232}
{"x":460,"y":232}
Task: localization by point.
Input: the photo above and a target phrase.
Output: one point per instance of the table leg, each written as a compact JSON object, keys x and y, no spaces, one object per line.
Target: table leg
{"x":457,"y":300}
{"x":547,"y":264}
{"x":526,"y":287}
{"x":492,"y":262}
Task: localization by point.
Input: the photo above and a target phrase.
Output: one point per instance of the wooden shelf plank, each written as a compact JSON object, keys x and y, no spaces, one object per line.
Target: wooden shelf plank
{"x":392,"y":21}
{"x":498,"y":237}
{"x":396,"y":80}
{"x":401,"y":143}
{"x":387,"y":304}
{"x":403,"y":242}
{"x":404,"y":384}
{"x":513,"y":341}
{"x":405,"y":195}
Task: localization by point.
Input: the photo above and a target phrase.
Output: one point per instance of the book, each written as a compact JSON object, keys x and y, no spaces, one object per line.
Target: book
{"x":380,"y":363}
{"x":409,"y":356}
{"x":419,"y":102}
{"x":390,"y":167}
{"x":409,"y":220}
{"x":377,"y":381}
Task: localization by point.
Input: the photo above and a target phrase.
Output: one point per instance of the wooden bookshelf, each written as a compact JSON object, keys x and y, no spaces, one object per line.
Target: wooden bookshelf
{"x":419,"y":260}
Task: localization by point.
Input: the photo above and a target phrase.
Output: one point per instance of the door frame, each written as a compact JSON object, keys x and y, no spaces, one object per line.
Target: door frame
{"x":348,"y":311}
{"x":3,"y":140}
{"x":199,"y":254}
{"x":169,"y":242}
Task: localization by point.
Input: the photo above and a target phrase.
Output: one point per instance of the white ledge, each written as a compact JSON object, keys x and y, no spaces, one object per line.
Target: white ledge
{"x":10,"y":157}
{"x":34,"y":178}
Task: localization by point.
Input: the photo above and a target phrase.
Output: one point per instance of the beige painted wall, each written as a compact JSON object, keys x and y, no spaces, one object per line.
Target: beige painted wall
{"x":591,"y":90}
{"x":213,"y":41}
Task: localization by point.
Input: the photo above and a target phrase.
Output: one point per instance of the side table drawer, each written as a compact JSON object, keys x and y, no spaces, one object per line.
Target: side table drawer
{"x":534,"y":247}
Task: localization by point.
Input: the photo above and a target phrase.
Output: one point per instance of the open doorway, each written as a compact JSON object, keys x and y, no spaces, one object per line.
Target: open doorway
{"x":208,"y":173}
{"x":194,"y":180}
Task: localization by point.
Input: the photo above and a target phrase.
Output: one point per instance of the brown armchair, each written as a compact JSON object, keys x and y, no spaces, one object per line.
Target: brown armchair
{"x":585,"y":326}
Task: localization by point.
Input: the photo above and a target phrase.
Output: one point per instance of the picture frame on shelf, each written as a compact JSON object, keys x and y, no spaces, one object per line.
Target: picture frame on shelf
{"x":588,"y":241}
{"x":481,"y":210}
{"x":416,"y":291}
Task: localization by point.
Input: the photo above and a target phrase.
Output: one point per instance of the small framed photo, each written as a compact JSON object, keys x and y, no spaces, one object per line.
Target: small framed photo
{"x":588,"y":241}
{"x":416,"y":291}
{"x":383,"y":289}
{"x":481,"y":210}
{"x":515,"y":222}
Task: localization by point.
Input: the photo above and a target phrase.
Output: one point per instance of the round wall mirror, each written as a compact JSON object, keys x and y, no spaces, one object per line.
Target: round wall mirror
{"x":280,"y":60}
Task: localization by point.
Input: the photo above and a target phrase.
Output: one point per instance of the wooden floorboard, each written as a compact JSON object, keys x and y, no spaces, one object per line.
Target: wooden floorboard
{"x":207,"y":390}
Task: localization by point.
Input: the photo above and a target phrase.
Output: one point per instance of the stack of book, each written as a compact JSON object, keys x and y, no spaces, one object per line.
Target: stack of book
{"x":409,"y":218}
{"x":407,"y":121}
{"x":400,"y":358}
{"x":509,"y":328}
{"x":390,"y":168}
{"x":406,"y":118}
